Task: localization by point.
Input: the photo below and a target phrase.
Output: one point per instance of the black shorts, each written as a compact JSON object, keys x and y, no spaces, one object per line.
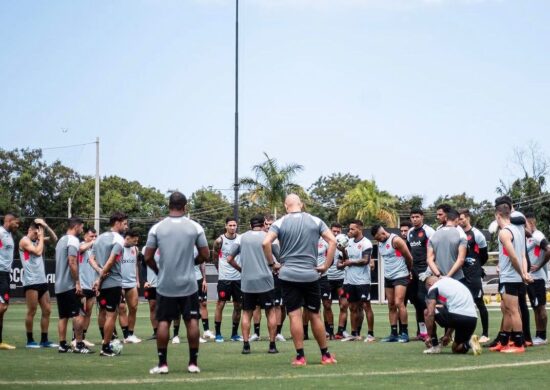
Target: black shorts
{"x":264,"y":300}
{"x":150,"y":294}
{"x":203,"y":296}
{"x":476,"y":289}
{"x":336,"y":288}
{"x":391,"y":283}
{"x":88,"y":294}
{"x":173,"y":308}
{"x":510,"y":288}
{"x":464,"y":326}
{"x":5,"y":287}
{"x":301,"y":294}
{"x":40,"y":288}
{"x":230,"y":290}
{"x":324,"y":285}
{"x":69,"y":304}
{"x":537,"y":293}
{"x":277,"y":292}
{"x":110,"y":298}
{"x":357,"y":292}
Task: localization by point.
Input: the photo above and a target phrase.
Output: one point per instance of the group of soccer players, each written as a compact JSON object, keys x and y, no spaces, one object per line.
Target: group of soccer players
{"x":293,"y":266}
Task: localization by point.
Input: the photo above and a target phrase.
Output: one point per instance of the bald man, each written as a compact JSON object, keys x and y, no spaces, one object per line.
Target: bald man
{"x":298,"y":234}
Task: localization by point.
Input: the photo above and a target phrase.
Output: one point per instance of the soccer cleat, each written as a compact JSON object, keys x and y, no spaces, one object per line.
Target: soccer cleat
{"x":246,"y":351}
{"x":370,"y":339}
{"x":202,"y":341}
{"x":345,"y":334}
{"x":492,"y":343}
{"x":107,"y":352}
{"x":87,"y":343}
{"x":403,"y":338}
{"x":193,"y":369}
{"x":474,"y":344}
{"x":64,"y":349}
{"x":390,"y":339}
{"x":273,"y":350}
{"x":84,"y":350}
{"x":539,"y":341}
{"x":133,"y":339}
{"x":254,"y":337}
{"x":176,"y":340}
{"x":48,"y":344}
{"x":208,"y":335}
{"x":528,"y":343}
{"x":496,"y":348}
{"x":6,"y":346}
{"x":236,"y":337}
{"x":484,"y":339}
{"x":513,"y":349}
{"x":280,"y":337}
{"x":299,"y":361}
{"x":338,"y":336}
{"x":32,"y":345}
{"x":433,"y":350}
{"x":351,"y":338}
{"x":159,"y":370}
{"x":219,"y":338}
{"x":327,"y":360}
{"x":422,"y":336}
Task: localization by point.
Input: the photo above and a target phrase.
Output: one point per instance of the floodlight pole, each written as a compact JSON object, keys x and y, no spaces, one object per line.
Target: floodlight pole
{"x":96,"y":207}
{"x":236,"y":182}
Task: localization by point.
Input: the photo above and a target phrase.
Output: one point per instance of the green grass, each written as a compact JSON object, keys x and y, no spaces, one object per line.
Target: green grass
{"x":359,"y":365}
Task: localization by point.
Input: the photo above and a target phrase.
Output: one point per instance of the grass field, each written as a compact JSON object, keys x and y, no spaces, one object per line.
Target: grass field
{"x":359,"y":365}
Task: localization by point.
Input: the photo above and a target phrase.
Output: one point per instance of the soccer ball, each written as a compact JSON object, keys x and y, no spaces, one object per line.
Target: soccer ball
{"x":342,"y":240}
{"x":116,"y":346}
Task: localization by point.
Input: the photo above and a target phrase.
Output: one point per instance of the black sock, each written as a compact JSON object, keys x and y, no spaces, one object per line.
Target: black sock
{"x":176,"y":330}
{"x":324,"y":352}
{"x":234,"y":329}
{"x":405,"y":329}
{"x":30,"y":339}
{"x":155,"y":331}
{"x":83,"y":334}
{"x":1,"y":326}
{"x":306,"y":330}
{"x":130,"y":332}
{"x":163,"y":356}
{"x":279,"y":328}
{"x":257,"y":329}
{"x":326,"y":327}
{"x":340,"y":330}
{"x":331,"y":330}
{"x":359,"y":330}
{"x":44,"y":337}
{"x":125,"y":332}
{"x":218,"y":326}
{"x":504,"y":338}
{"x":393,"y":330}
{"x":517,"y":337}
{"x":354,"y":333}
{"x":435,"y":341}
{"x":193,"y":356}
{"x":205,"y":325}
{"x":543,"y":334}
{"x":102,"y":332}
{"x":74,"y":335}
{"x":105,"y":347}
{"x":63,"y":344}
{"x":300,"y":353}
{"x":80,"y":345}
{"x":371,"y":333}
{"x":246,"y":345}
{"x":272,"y":345}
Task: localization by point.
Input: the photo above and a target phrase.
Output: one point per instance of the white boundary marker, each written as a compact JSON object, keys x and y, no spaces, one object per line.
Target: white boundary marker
{"x":198,"y":379}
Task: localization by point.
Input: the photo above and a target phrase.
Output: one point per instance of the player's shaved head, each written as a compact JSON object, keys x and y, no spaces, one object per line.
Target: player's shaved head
{"x":431,"y":280}
{"x":293,"y":203}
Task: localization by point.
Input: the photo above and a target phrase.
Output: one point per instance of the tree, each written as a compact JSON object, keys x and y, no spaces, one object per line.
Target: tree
{"x":210,"y":208}
{"x":328,"y":192}
{"x":367,"y":203}
{"x":482,"y":213}
{"x":272,"y":183}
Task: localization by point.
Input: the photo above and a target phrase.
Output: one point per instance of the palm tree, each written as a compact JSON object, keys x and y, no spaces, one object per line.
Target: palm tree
{"x":367,"y":203}
{"x":272,"y":183}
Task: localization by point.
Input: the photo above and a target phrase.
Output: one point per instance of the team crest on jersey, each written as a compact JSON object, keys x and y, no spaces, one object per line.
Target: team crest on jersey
{"x":321,"y":245}
{"x":26,"y":256}
{"x":420,"y":234}
{"x":359,"y":246}
{"x":470,"y":236}
{"x":387,"y":246}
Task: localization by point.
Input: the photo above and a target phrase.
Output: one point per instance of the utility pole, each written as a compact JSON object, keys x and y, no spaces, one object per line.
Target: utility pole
{"x":236,"y":183}
{"x":96,"y":207}
{"x":69,"y":208}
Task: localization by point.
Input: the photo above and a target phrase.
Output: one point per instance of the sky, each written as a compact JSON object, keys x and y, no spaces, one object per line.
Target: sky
{"x":427,"y":97}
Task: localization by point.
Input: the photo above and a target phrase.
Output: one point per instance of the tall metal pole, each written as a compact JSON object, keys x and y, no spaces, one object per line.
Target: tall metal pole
{"x":236,"y":183}
{"x":96,"y":207}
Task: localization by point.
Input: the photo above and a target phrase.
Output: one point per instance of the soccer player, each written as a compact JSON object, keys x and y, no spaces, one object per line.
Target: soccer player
{"x":451,"y":305}
{"x":280,"y":311}
{"x":356,"y":260}
{"x":35,"y":285}
{"x":511,"y":276}
{"x":404,"y":228}
{"x":324,"y":285}
{"x":88,"y":275}
{"x":336,"y":281}
{"x":10,"y":225}
{"x":397,"y":262}
{"x":298,"y":234}
{"x":447,"y":249}
{"x":107,"y":253}
{"x":229,"y":281}
{"x":130,"y":283}
{"x":476,"y":257}
{"x":256,"y":280}
{"x":539,"y":254}
{"x":175,"y":237}
{"x":441,"y":214}
{"x":68,"y":289}
{"x":418,"y":238}
{"x":150,"y":293}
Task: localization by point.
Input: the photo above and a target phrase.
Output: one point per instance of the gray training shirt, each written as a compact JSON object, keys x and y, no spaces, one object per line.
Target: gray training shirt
{"x":85,"y":270}
{"x":6,"y":250}
{"x":298,"y":235}
{"x":33,"y":267}
{"x":445,"y":243}
{"x":67,"y":246}
{"x":107,"y":244}
{"x":256,"y":276}
{"x":129,"y":267}
{"x":395,"y":266}
{"x":175,"y":237}
{"x":358,"y":274}
{"x":507,"y":273}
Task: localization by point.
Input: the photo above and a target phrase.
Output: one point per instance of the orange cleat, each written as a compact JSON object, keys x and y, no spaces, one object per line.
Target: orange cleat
{"x":299,"y":361}
{"x":326,"y":360}
{"x":513,"y":349}
{"x":497,"y":348}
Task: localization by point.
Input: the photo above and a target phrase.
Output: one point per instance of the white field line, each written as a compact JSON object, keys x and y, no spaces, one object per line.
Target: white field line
{"x":279,"y":376}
